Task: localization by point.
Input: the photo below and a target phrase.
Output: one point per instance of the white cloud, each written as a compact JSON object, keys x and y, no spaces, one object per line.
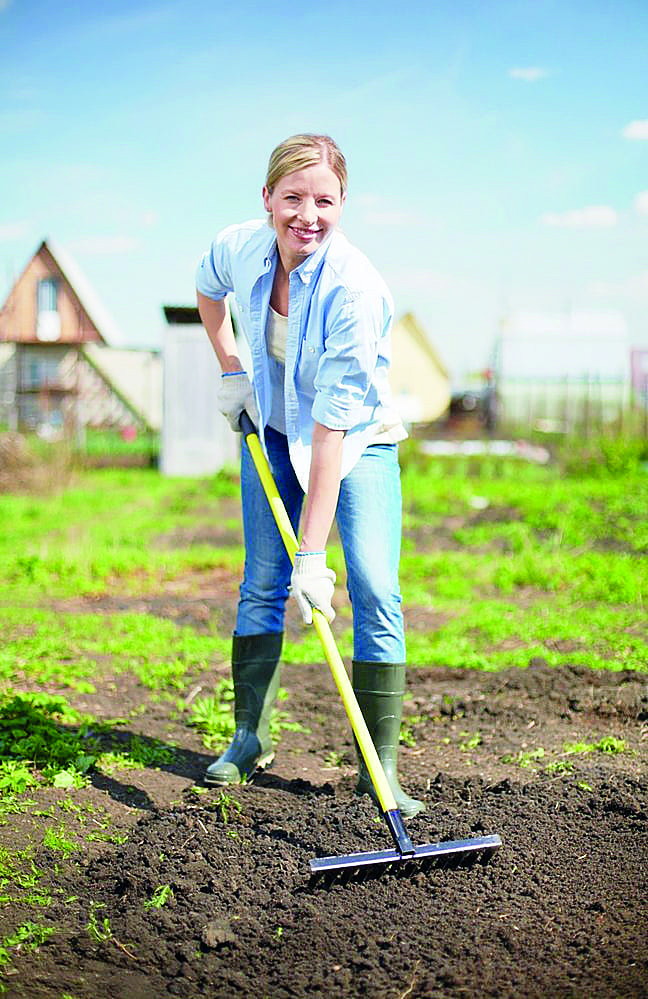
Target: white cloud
{"x":530,"y":74}
{"x":99,"y":246}
{"x":14,"y":230}
{"x":641,"y":203}
{"x":636,"y":130}
{"x":150,"y":218}
{"x":593,"y":216}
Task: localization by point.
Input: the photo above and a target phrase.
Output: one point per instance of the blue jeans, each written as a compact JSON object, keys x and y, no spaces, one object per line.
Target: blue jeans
{"x":369,"y":524}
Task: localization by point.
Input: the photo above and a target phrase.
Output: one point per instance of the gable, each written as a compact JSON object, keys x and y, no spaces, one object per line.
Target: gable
{"x":46,"y":305}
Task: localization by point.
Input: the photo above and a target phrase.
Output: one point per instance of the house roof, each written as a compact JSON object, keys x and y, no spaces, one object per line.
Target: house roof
{"x":86,"y":294}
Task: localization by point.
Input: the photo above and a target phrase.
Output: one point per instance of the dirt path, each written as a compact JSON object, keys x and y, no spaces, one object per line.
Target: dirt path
{"x":560,"y":912}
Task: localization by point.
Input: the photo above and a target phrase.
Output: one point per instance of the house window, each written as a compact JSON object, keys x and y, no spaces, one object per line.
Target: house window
{"x":48,"y":320}
{"x":47,"y":295}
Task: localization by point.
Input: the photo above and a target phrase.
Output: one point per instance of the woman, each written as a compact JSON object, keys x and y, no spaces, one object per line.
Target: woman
{"x":317,"y":318}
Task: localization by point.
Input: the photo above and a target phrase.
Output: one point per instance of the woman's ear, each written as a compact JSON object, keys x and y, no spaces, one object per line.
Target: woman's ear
{"x":266,"y":199}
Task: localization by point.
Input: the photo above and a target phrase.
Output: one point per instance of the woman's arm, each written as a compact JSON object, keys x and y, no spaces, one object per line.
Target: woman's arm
{"x":218,"y":323}
{"x":323,"y":488}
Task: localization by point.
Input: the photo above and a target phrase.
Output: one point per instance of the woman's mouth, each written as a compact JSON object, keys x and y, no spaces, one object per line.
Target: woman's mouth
{"x":306,"y":235}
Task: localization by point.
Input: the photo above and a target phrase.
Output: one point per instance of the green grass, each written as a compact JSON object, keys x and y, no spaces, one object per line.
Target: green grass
{"x":101,"y":534}
{"x":549,"y":560}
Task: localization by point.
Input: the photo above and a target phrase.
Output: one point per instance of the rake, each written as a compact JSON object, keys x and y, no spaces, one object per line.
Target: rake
{"x":405,"y":858}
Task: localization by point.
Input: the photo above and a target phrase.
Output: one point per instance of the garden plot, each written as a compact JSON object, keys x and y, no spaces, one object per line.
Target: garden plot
{"x":527,"y":716}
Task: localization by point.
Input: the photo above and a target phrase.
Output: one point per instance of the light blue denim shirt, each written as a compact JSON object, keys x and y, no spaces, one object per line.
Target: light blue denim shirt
{"x":338,"y":345}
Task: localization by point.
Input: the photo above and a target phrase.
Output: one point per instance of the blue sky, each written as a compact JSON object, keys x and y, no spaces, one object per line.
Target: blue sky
{"x":498,"y":151}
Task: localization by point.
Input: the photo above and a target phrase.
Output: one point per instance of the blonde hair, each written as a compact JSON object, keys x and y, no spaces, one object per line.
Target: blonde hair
{"x":301,"y":151}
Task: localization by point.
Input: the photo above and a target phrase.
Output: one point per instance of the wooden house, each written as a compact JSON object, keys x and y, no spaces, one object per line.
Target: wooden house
{"x":59,"y":368}
{"x":418,"y":378}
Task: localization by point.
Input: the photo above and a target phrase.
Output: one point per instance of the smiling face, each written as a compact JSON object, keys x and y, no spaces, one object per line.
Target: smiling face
{"x":305,"y":207}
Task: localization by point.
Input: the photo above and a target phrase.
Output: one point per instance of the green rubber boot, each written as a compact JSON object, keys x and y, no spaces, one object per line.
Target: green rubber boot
{"x":255,"y":672}
{"x":379,"y":688}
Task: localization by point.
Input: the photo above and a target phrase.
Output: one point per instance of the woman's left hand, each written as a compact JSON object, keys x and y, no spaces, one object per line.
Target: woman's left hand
{"x":312,"y":585}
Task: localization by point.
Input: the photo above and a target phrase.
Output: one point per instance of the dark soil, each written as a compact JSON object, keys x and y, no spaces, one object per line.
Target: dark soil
{"x":560,"y":911}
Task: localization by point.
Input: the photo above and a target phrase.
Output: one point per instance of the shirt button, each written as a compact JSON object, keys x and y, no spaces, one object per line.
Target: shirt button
{"x":311,"y":350}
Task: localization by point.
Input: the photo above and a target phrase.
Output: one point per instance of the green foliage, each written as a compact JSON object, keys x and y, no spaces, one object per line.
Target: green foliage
{"x":525,"y":758}
{"x":45,"y":741}
{"x":57,"y":840}
{"x":32,"y":730}
{"x":27,"y":937}
{"x":603,"y":456}
{"x":65,"y":649}
{"x":608,"y":744}
{"x":160,"y":896}
{"x":213,"y":716}
{"x":226,"y":805}
{"x":83,"y":540}
{"x":98,"y":930}
{"x":21,"y":877}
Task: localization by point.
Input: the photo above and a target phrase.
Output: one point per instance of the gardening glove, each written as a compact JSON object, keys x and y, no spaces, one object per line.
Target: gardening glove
{"x":311,"y":584}
{"x":234,"y":395}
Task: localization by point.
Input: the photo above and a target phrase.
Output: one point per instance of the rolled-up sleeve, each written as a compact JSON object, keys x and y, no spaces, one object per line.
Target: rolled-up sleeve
{"x":213,"y":275}
{"x":347,"y":365}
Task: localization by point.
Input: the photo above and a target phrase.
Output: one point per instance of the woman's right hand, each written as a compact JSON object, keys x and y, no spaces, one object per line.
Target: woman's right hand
{"x":236,"y":394}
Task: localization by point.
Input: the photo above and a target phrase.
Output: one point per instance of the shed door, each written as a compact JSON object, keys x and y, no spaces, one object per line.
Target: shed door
{"x":196,"y":438}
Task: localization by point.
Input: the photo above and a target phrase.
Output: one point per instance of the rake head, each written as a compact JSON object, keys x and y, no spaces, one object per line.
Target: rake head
{"x":439,"y":856}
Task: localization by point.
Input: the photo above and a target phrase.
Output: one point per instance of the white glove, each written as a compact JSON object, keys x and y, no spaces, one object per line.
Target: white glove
{"x":234,"y":395}
{"x":311,"y":584}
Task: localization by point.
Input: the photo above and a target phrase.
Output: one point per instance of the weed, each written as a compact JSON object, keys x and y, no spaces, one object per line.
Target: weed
{"x":160,"y":896}
{"x":15,"y":777}
{"x":226,"y":804}
{"x":137,"y":753}
{"x":559,"y":768}
{"x":472,"y":742}
{"x":198,"y":790}
{"x":608,"y":744}
{"x":28,"y":937}
{"x":525,"y":758}
{"x":213,"y":716}
{"x":333,"y":760}
{"x":17,"y":869}
{"x":32,"y":729}
{"x":104,"y":837}
{"x":99,"y":931}
{"x":56,"y":839}
{"x":408,"y":724}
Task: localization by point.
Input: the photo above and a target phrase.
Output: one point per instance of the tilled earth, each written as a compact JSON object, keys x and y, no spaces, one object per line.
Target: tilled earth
{"x":560,"y":911}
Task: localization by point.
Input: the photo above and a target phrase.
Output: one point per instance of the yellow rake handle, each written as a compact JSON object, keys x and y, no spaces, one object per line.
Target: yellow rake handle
{"x":321,"y":625}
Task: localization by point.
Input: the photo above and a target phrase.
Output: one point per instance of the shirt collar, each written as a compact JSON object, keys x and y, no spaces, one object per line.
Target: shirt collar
{"x":311,"y":264}
{"x":308,"y":267}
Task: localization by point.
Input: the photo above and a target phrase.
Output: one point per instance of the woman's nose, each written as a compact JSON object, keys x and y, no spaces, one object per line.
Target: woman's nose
{"x":308,"y":212}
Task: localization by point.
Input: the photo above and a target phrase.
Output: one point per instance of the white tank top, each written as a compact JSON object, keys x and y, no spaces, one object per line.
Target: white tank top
{"x":276,"y":331}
